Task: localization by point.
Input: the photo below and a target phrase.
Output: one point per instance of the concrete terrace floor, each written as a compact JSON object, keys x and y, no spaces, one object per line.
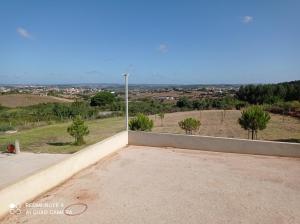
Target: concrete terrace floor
{"x":166,"y":185}
{"x":15,"y":167}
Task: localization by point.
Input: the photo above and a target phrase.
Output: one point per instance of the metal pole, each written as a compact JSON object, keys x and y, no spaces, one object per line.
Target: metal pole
{"x":126,"y":100}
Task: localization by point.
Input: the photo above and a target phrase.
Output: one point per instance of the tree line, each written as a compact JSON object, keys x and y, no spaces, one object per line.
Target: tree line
{"x":269,"y":93}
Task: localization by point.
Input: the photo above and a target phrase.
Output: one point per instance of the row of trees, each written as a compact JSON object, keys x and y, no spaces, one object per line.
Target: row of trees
{"x":225,"y":103}
{"x":149,"y":106}
{"x":253,"y":119}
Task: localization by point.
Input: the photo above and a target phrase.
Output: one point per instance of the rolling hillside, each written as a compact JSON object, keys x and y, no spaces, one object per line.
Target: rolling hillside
{"x":21,"y":100}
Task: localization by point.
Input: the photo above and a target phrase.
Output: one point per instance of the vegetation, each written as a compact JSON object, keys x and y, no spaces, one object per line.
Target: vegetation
{"x":141,"y":123}
{"x":190,"y":125}
{"x":225,"y":103}
{"x":149,"y":106}
{"x":291,"y":108}
{"x":36,"y":115}
{"x":282,"y":98}
{"x":5,"y":127}
{"x":253,"y":119}
{"x":184,"y":102}
{"x":103,"y":98}
{"x":161,"y":115}
{"x":54,"y":138}
{"x":270,"y":93}
{"x":78,"y":129}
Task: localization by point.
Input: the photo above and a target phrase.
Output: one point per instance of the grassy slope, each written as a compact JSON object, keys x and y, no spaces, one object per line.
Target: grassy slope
{"x":55,"y":139}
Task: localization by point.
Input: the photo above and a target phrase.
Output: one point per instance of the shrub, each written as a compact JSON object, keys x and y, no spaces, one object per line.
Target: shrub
{"x":6,"y":127}
{"x":78,"y":129}
{"x":240,"y":104}
{"x":189,"y":125}
{"x":141,"y":123}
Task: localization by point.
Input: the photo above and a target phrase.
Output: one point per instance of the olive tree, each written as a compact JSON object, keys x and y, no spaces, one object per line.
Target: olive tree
{"x":190,"y":125}
{"x":254,"y":118}
{"x":78,"y":129}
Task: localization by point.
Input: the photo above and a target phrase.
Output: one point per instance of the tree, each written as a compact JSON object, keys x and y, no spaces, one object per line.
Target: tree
{"x":200,"y":104}
{"x":102,"y":99}
{"x":189,"y":125}
{"x":78,"y":129}
{"x":161,"y":116}
{"x":183,"y":102}
{"x":254,"y":118}
{"x":141,"y":123}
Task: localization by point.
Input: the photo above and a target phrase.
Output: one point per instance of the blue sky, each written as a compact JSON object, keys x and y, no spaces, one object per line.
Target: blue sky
{"x":155,"y":41}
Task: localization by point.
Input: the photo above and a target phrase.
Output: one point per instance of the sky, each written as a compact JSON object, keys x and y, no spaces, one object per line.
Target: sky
{"x":156,"y":42}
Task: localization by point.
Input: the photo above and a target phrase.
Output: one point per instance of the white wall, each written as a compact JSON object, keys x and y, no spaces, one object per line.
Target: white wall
{"x":216,"y":144}
{"x":32,"y":186}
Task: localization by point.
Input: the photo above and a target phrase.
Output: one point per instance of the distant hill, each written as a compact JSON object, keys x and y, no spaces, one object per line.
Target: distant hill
{"x":21,"y":100}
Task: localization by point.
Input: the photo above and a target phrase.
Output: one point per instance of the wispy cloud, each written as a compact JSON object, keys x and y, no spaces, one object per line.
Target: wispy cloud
{"x":247,"y":19}
{"x":93,"y":72}
{"x":163,"y":48}
{"x":24,"y":33}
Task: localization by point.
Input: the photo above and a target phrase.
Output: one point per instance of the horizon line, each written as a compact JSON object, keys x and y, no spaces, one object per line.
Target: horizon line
{"x":148,"y":84}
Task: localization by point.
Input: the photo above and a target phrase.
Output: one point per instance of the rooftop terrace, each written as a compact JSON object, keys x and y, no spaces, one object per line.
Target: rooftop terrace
{"x":141,"y":184}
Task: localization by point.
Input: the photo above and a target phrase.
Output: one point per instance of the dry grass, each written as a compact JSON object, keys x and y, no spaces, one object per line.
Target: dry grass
{"x":21,"y":100}
{"x":287,"y":129}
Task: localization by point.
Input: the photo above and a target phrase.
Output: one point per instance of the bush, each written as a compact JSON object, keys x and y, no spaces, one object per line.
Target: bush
{"x":240,"y":104}
{"x":6,"y":127}
{"x":141,"y":123}
{"x":189,"y":125}
{"x":78,"y":129}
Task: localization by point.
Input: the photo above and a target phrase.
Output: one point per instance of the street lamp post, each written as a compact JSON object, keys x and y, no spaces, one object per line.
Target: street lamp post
{"x":126,"y":100}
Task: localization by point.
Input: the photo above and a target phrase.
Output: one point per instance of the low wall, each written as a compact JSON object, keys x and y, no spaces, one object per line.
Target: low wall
{"x":216,"y":144}
{"x":34,"y":185}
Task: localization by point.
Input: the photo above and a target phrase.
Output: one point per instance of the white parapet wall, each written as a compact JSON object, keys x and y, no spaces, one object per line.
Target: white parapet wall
{"x":42,"y":181}
{"x":216,"y":144}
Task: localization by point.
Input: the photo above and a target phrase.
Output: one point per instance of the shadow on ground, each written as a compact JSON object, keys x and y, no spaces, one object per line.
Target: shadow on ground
{"x":59,"y":143}
{"x":292,"y":140}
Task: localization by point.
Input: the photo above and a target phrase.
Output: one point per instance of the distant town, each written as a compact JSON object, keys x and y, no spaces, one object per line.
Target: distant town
{"x":136,"y":91}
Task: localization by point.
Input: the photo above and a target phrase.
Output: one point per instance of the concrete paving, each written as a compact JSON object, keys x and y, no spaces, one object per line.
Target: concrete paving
{"x":155,"y":185}
{"x":15,"y":167}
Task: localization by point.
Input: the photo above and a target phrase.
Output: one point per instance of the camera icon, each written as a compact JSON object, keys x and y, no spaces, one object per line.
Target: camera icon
{"x":14,"y":209}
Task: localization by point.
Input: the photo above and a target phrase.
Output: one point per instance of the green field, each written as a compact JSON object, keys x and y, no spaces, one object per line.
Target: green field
{"x":55,"y":138}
